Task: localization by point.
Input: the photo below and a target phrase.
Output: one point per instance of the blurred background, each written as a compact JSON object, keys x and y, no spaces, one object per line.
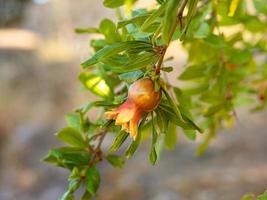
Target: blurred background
{"x":39,"y":64}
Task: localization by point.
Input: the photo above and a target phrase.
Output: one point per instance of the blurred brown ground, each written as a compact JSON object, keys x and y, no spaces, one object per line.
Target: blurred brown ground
{"x":39,"y":65}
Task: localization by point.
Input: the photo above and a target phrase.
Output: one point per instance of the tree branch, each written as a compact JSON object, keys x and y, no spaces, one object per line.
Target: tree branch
{"x":163,"y":50}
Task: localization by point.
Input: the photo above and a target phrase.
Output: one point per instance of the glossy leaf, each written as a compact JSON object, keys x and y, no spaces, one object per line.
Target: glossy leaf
{"x":92,"y":180}
{"x":68,"y":157}
{"x":115,"y":160}
{"x":119,"y":140}
{"x":95,"y":84}
{"x":71,"y":136}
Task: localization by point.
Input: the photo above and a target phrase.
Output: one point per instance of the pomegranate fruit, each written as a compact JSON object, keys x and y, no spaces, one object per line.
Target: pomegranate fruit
{"x":142,"y":98}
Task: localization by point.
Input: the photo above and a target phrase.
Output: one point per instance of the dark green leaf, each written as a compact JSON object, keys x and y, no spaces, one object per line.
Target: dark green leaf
{"x":68,"y":157}
{"x":169,"y":20}
{"x":153,"y":154}
{"x":111,"y":50}
{"x":155,"y":14}
{"x":115,"y":160}
{"x":71,"y":136}
{"x":161,"y":120}
{"x":119,"y":140}
{"x":167,"y":69}
{"x":130,"y":77}
{"x":138,"y":20}
{"x":174,"y":106}
{"x":140,"y":61}
{"x":92,"y":180}
{"x":133,"y":147}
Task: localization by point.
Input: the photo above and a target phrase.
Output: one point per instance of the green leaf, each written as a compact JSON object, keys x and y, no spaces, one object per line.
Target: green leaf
{"x":86,"y":196}
{"x":113,"y":3}
{"x":109,"y":30}
{"x":161,"y":120}
{"x":118,"y":47}
{"x":73,"y":120}
{"x":215,"y":41}
{"x":115,"y":160}
{"x":86,"y":30}
{"x":75,"y":174}
{"x":190,"y":134}
{"x":153,"y":154}
{"x":190,"y":14}
{"x":203,"y":31}
{"x":137,"y":20}
{"x":170,"y":138}
{"x":119,"y":140}
{"x":155,"y":14}
{"x":192,"y":72}
{"x":260,"y":6}
{"x":214,"y":109}
{"x":140,"y":61}
{"x":262,"y":196}
{"x":174,"y":106}
{"x":71,"y":136}
{"x":171,"y":115}
{"x":92,"y":180}
{"x":68,"y":157}
{"x":133,"y":147}
{"x":130,"y":77}
{"x":95,"y":84}
{"x":72,"y":187}
{"x":169,"y":20}
{"x":240,"y":57}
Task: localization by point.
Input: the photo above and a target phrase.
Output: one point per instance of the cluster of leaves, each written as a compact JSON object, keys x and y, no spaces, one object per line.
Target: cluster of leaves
{"x":225,"y":69}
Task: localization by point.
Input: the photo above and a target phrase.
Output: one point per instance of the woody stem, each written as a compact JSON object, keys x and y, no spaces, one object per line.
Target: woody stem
{"x":162,"y":51}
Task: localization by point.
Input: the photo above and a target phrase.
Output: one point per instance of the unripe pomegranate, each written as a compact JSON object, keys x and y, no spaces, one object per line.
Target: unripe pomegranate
{"x":141,"y":98}
{"x":142,"y":93}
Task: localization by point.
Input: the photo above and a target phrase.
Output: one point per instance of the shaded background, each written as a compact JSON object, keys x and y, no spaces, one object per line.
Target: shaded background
{"x":39,"y":65}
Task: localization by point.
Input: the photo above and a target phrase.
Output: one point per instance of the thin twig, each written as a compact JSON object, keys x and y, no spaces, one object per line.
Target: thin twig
{"x":180,"y":13}
{"x":97,"y":152}
{"x":163,"y":50}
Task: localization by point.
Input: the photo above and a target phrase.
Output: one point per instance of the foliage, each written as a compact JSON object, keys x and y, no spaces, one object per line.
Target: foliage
{"x":226,"y":68}
{"x":262,"y":196}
